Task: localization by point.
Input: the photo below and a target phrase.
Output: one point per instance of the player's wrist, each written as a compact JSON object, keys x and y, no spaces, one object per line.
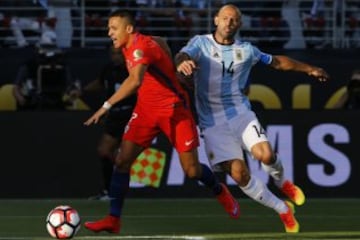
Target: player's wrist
{"x":107,"y":105}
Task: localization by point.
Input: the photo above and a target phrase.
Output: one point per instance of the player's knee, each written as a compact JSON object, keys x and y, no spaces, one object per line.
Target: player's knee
{"x":264,"y":155}
{"x":241,"y":176}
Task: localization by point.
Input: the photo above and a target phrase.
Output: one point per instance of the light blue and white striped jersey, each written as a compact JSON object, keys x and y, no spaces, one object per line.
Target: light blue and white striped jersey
{"x":222,"y":77}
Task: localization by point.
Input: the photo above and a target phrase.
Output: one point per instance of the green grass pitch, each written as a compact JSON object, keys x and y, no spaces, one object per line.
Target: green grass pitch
{"x":198,"y":219}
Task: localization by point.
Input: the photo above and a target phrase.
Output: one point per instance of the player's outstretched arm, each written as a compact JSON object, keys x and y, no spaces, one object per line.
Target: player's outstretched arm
{"x":129,"y":87}
{"x":184,"y":64}
{"x":285,"y":63}
{"x":98,"y":114}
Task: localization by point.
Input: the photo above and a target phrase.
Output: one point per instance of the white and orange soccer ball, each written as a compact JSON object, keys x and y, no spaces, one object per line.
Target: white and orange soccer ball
{"x":63,"y":222}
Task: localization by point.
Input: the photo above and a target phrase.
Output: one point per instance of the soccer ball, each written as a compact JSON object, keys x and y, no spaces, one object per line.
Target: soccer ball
{"x":63,"y":222}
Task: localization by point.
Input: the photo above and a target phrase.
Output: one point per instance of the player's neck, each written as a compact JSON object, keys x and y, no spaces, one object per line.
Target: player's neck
{"x":132,"y":38}
{"x":223,"y":41}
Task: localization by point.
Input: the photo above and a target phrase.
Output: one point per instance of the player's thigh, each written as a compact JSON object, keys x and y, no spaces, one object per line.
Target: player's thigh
{"x":221,"y":144}
{"x":179,"y":127}
{"x":141,"y":128}
{"x":255,"y":140}
{"x":107,"y":145}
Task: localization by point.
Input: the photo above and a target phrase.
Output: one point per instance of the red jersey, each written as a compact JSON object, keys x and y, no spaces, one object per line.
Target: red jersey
{"x":160,"y":87}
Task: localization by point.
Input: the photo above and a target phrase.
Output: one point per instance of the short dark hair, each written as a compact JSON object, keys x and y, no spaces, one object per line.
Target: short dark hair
{"x":124,"y":14}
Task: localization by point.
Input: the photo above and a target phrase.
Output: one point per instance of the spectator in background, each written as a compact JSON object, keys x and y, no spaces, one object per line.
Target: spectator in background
{"x":195,"y":15}
{"x":352,"y":23}
{"x":141,"y":9}
{"x":273,"y":30}
{"x":351,"y":98}
{"x":314,"y":23}
{"x":163,"y":19}
{"x":110,"y":79}
{"x":291,"y":14}
{"x":61,"y":9}
{"x":95,"y":13}
{"x":43,"y":80}
{"x":30,"y":16}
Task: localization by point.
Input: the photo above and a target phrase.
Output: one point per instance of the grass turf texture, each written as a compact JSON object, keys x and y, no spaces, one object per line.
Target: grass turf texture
{"x":198,"y":219}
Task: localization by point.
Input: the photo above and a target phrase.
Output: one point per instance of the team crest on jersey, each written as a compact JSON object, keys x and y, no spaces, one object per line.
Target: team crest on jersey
{"x":138,"y":54}
{"x":238,"y":54}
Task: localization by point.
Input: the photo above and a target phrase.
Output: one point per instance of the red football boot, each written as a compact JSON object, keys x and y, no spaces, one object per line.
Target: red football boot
{"x":293,"y":192}
{"x":229,"y":203}
{"x":290,"y":223}
{"x":109,"y":223}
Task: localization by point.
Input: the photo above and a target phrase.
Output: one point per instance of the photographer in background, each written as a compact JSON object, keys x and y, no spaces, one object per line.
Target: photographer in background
{"x":351,"y":98}
{"x":42,"y":80}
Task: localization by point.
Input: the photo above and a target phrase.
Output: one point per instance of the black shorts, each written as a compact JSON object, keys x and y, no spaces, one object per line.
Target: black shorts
{"x":115,"y":123}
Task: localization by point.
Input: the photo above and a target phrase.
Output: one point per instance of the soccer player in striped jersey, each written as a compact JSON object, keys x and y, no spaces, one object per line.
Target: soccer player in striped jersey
{"x":220,"y":65}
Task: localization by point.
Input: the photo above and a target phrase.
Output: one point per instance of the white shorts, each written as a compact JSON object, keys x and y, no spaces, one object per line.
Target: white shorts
{"x":228,"y":140}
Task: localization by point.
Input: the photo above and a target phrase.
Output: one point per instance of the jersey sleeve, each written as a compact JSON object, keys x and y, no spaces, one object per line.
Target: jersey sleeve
{"x":145,"y":53}
{"x":192,"y":48}
{"x":264,"y":58}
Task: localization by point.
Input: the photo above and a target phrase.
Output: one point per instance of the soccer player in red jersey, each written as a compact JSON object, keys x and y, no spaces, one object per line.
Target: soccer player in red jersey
{"x":162,"y":106}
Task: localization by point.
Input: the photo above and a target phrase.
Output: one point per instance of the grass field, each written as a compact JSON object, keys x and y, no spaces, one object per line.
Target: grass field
{"x":197,"y":219}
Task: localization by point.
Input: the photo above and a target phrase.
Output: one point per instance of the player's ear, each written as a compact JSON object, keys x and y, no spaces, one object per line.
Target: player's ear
{"x":129,"y":28}
{"x":216,"y":20}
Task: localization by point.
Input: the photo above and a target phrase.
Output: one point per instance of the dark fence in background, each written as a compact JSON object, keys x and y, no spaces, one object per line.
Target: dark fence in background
{"x":290,"y":24}
{"x":53,"y":155}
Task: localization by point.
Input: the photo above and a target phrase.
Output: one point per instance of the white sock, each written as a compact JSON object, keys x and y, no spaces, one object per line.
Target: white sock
{"x":258,"y":191}
{"x":276,"y":171}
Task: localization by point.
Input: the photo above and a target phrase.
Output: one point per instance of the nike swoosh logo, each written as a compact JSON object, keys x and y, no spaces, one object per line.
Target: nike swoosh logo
{"x":187,"y":143}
